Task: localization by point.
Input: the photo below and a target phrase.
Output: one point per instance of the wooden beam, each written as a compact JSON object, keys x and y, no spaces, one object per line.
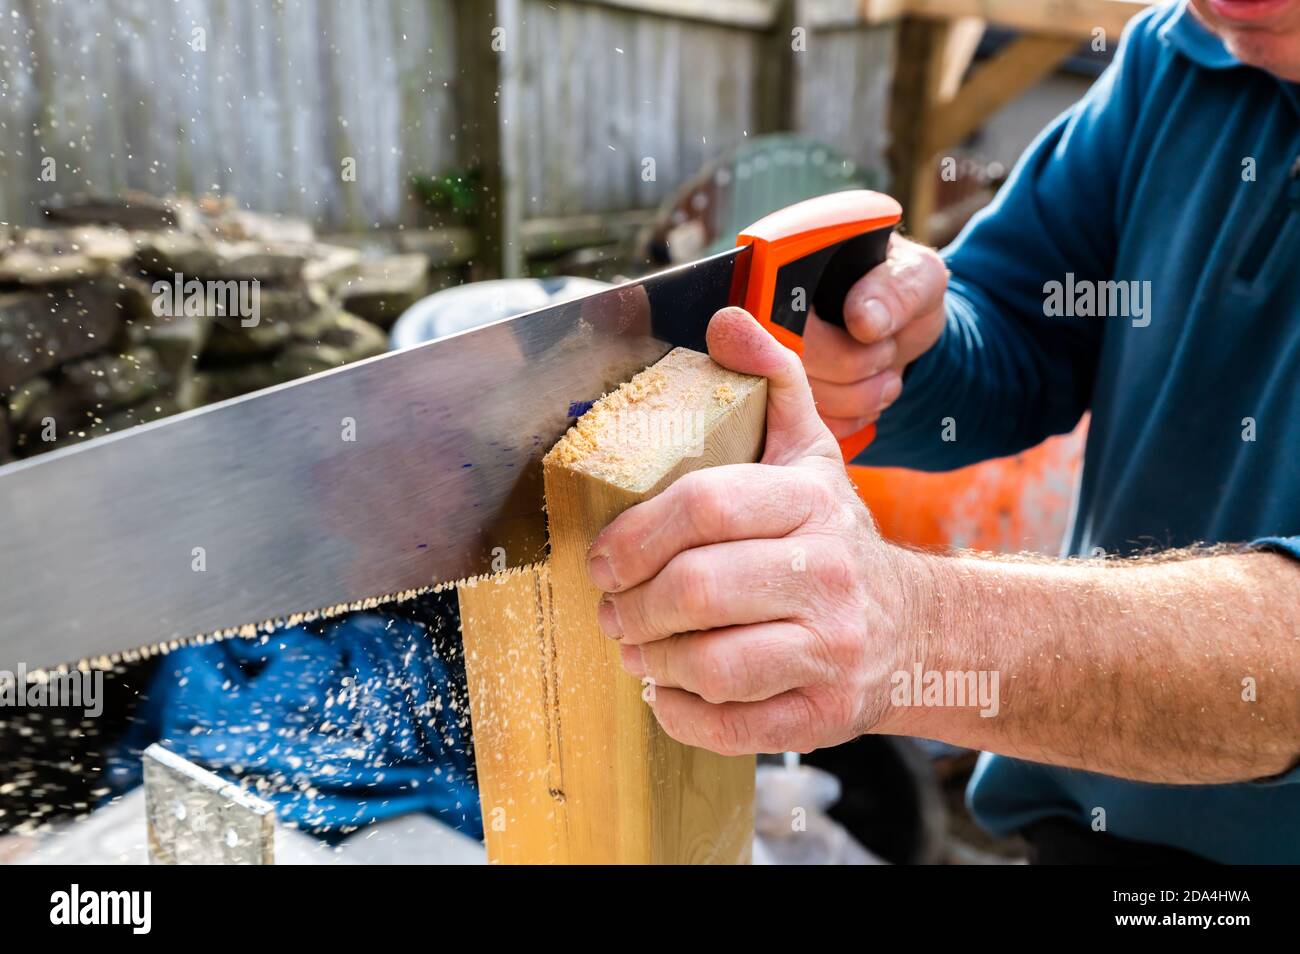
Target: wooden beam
{"x":1068,"y":18}
{"x":543,"y":236}
{"x":931,"y":109}
{"x":842,"y":14}
{"x":882,"y":11}
{"x":1017,"y":67}
{"x":573,"y":767}
{"x":963,"y":40}
{"x":749,"y":14}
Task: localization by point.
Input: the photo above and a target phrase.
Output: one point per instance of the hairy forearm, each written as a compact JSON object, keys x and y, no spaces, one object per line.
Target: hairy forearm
{"x":1182,"y":670}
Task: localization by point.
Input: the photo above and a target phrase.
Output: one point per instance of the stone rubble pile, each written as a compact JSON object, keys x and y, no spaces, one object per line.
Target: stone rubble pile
{"x":100,"y":328}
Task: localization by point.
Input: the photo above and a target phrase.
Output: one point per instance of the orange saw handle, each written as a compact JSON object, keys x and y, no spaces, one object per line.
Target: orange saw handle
{"x":811,"y":254}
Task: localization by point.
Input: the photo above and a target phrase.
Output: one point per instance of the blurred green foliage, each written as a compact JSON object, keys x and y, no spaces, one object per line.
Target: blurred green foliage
{"x":458,"y":191}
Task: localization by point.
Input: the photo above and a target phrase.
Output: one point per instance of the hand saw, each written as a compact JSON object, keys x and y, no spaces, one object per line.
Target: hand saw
{"x":381,"y":478}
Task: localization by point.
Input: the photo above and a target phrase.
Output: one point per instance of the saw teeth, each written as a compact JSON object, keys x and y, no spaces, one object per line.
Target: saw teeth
{"x":266,"y":627}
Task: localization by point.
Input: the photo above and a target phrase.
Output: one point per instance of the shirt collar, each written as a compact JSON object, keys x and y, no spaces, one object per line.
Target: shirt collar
{"x":1188,"y":36}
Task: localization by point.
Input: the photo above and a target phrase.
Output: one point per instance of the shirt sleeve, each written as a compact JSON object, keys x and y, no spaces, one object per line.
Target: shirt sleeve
{"x":1004,"y":375}
{"x":1287,"y":546}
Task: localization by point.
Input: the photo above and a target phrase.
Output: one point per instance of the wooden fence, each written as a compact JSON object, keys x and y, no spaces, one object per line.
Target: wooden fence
{"x":562,"y":101}
{"x":260,"y":99}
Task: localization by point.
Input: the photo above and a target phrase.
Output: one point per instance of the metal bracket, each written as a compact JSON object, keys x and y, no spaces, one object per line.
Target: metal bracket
{"x":195,"y":817}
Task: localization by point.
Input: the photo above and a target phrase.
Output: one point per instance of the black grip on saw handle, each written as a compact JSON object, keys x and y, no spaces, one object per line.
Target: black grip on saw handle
{"x":848,"y":263}
{"x":812,"y":253}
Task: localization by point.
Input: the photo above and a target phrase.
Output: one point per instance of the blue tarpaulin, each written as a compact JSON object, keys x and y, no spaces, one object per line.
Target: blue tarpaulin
{"x":338,"y":723}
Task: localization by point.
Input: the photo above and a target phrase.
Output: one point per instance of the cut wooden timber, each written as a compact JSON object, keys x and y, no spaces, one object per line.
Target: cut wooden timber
{"x":635,"y":794}
{"x":573,"y":766}
{"x":509,"y":666}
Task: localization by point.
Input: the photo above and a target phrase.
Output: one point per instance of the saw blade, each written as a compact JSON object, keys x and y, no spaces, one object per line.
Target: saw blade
{"x":114,"y":660}
{"x":368,"y":483}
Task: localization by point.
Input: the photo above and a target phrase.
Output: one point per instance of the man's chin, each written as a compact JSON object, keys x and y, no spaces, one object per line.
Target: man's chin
{"x":1277,"y":55}
{"x":1261,"y":33}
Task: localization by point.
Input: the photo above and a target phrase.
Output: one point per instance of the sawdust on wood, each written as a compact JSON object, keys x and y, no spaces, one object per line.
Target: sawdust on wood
{"x":657,"y":418}
{"x":589,"y":435}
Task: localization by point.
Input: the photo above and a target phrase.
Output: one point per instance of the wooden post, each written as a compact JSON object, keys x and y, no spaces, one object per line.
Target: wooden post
{"x":918,"y":76}
{"x":780,"y":75}
{"x":488,"y":33}
{"x":572,"y":765}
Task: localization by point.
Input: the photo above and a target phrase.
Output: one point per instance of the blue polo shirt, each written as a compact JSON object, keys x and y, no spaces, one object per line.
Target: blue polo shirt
{"x":1142,"y":263}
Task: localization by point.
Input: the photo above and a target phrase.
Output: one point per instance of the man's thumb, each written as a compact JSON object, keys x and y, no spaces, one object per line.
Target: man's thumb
{"x":738,"y":342}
